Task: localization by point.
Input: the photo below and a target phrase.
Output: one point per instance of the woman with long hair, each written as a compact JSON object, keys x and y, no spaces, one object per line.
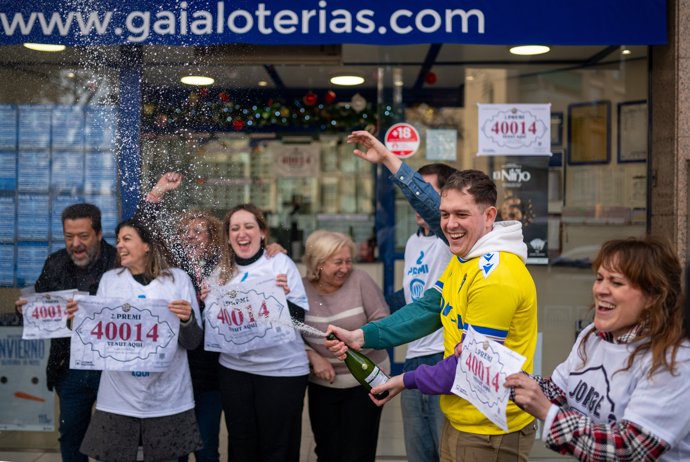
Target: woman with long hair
{"x":620,"y":394}
{"x":151,"y":409}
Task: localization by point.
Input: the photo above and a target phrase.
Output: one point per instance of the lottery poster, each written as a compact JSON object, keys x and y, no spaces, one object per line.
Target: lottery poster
{"x":45,"y":315}
{"x":123,"y":335}
{"x":25,"y":402}
{"x":482,"y":370}
{"x":238,"y":318}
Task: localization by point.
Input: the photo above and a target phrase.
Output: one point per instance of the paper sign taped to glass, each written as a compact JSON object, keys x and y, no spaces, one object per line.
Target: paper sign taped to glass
{"x":482,"y":370}
{"x":114,"y":334}
{"x":241,"y":318}
{"x":45,"y":315}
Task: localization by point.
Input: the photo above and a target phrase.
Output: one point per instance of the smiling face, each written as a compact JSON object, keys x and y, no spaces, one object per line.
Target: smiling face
{"x":132,"y":250}
{"x":463,"y":221}
{"x":245,"y":235}
{"x":82,"y":242}
{"x":335,"y":270}
{"x":196,"y":239}
{"x":617,"y":304}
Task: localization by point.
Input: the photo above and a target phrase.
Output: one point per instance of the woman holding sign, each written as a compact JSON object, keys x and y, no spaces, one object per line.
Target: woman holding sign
{"x":262,"y":388}
{"x":152,"y":409}
{"x":619,"y":395}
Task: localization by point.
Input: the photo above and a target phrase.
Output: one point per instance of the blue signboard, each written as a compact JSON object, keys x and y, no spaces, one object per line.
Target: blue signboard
{"x":208,"y":22}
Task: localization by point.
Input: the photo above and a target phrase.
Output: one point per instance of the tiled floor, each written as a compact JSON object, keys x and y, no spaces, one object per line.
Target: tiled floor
{"x":391,"y":447}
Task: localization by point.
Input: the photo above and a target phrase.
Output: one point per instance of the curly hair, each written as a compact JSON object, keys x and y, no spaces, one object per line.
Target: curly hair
{"x":652,"y":267}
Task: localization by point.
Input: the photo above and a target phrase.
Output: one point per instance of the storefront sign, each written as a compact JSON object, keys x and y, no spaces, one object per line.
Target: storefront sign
{"x":123,"y":335}
{"x":25,"y":402}
{"x":522,"y":184}
{"x":388,"y":22}
{"x":402,"y":140}
{"x":514,"y":130}
{"x":296,"y":160}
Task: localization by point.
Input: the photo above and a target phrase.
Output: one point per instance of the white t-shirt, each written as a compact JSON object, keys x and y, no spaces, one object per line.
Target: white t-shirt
{"x":426,"y":257}
{"x":284,"y":360}
{"x":657,"y":404}
{"x":148,"y":394}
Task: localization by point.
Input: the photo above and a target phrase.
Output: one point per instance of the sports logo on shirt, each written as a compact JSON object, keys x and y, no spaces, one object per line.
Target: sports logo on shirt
{"x":488,"y":263}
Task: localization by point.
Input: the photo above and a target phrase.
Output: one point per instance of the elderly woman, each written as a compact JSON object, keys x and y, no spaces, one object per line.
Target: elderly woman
{"x":344,"y":421}
{"x":619,"y":395}
{"x":155,"y":409}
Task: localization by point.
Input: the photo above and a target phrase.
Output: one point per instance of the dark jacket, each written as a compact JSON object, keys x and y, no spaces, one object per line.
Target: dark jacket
{"x":60,"y":273}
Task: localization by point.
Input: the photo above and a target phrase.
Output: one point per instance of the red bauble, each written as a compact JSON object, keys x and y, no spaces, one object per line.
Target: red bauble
{"x":310,"y":98}
{"x":203,"y":92}
{"x":224,"y":96}
{"x":237,"y":124}
{"x":430,"y":78}
{"x":330,"y":97}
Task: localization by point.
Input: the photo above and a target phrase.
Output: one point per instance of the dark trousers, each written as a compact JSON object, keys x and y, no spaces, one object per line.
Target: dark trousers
{"x":345,"y":424}
{"x":207,"y":409}
{"x":77,"y":390}
{"x":263,"y":415}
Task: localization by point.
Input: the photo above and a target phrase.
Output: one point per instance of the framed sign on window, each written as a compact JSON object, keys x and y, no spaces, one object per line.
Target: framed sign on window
{"x":589,"y":133}
{"x":632,"y":131}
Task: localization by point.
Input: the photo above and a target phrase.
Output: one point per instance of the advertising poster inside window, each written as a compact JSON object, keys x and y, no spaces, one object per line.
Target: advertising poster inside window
{"x":522,"y":185}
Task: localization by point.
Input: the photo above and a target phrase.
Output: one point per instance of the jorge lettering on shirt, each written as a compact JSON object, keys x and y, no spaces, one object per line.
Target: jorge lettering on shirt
{"x":589,"y":393}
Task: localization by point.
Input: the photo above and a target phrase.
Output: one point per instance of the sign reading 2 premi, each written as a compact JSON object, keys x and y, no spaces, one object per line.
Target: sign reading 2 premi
{"x":123,"y":335}
{"x":514,"y":130}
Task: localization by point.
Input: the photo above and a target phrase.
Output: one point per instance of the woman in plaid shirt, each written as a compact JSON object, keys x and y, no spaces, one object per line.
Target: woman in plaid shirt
{"x":621,"y":393}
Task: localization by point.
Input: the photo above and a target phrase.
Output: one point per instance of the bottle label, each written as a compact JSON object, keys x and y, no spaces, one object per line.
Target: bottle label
{"x":376,"y":378}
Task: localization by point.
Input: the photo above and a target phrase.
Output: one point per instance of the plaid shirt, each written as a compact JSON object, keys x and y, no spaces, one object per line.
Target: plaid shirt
{"x":574,"y":433}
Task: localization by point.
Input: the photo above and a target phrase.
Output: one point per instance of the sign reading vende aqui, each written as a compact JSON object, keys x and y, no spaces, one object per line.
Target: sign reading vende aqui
{"x":514,"y":130}
{"x":402,"y":140}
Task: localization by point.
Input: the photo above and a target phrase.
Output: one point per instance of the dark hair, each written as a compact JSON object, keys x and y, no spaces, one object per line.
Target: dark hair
{"x":156,"y":263}
{"x":83,"y":210}
{"x":652,"y":267}
{"x":442,"y":172}
{"x":477,"y":183}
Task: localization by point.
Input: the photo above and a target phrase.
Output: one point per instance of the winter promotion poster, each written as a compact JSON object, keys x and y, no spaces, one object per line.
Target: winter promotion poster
{"x":25,"y":402}
{"x":522,"y":183}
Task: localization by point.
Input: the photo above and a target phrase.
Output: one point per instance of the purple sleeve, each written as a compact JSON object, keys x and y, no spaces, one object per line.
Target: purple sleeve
{"x":433,"y":380}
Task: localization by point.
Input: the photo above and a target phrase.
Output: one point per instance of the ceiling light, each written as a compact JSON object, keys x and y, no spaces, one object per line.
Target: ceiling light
{"x":626,"y":51}
{"x":530,"y":50}
{"x":347,"y":80}
{"x":196,"y":80}
{"x":262,"y":83}
{"x":44,"y":47}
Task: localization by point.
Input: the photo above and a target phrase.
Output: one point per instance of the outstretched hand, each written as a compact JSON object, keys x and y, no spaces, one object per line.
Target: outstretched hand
{"x":352,"y":338}
{"x":376,"y":152}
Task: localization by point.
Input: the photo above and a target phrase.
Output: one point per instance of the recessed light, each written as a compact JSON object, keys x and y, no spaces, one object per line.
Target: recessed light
{"x":349,"y":80}
{"x":196,"y":80}
{"x":530,"y":50}
{"x":262,"y":83}
{"x":625,"y":51}
{"x":45,"y":47}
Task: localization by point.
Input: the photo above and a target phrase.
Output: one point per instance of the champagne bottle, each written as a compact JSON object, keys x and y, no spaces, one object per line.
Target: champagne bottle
{"x":367,"y":373}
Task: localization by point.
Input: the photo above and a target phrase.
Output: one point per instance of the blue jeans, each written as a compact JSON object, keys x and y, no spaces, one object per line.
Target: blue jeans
{"x":77,"y":390}
{"x":207,"y":408}
{"x":422,"y":416}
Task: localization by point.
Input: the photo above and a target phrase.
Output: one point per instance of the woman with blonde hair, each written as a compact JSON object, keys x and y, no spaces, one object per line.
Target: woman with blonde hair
{"x":339,"y":408}
{"x":619,"y":394}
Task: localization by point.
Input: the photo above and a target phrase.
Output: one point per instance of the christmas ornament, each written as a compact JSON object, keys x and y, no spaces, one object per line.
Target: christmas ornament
{"x":358,"y":103}
{"x":203,"y":92}
{"x":430,"y":78}
{"x":310,"y":98}
{"x":330,"y":97}
{"x":224,"y":96}
{"x":237,"y":124}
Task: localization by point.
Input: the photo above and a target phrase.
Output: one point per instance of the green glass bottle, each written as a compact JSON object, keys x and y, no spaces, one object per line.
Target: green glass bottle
{"x":367,"y":373}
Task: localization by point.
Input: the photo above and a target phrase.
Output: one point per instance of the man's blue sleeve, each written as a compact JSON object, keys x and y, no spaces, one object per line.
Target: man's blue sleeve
{"x":421,"y":196}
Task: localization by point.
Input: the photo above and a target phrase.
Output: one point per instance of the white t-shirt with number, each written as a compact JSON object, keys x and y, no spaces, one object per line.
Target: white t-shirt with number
{"x":285,"y":360}
{"x":148,"y":394}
